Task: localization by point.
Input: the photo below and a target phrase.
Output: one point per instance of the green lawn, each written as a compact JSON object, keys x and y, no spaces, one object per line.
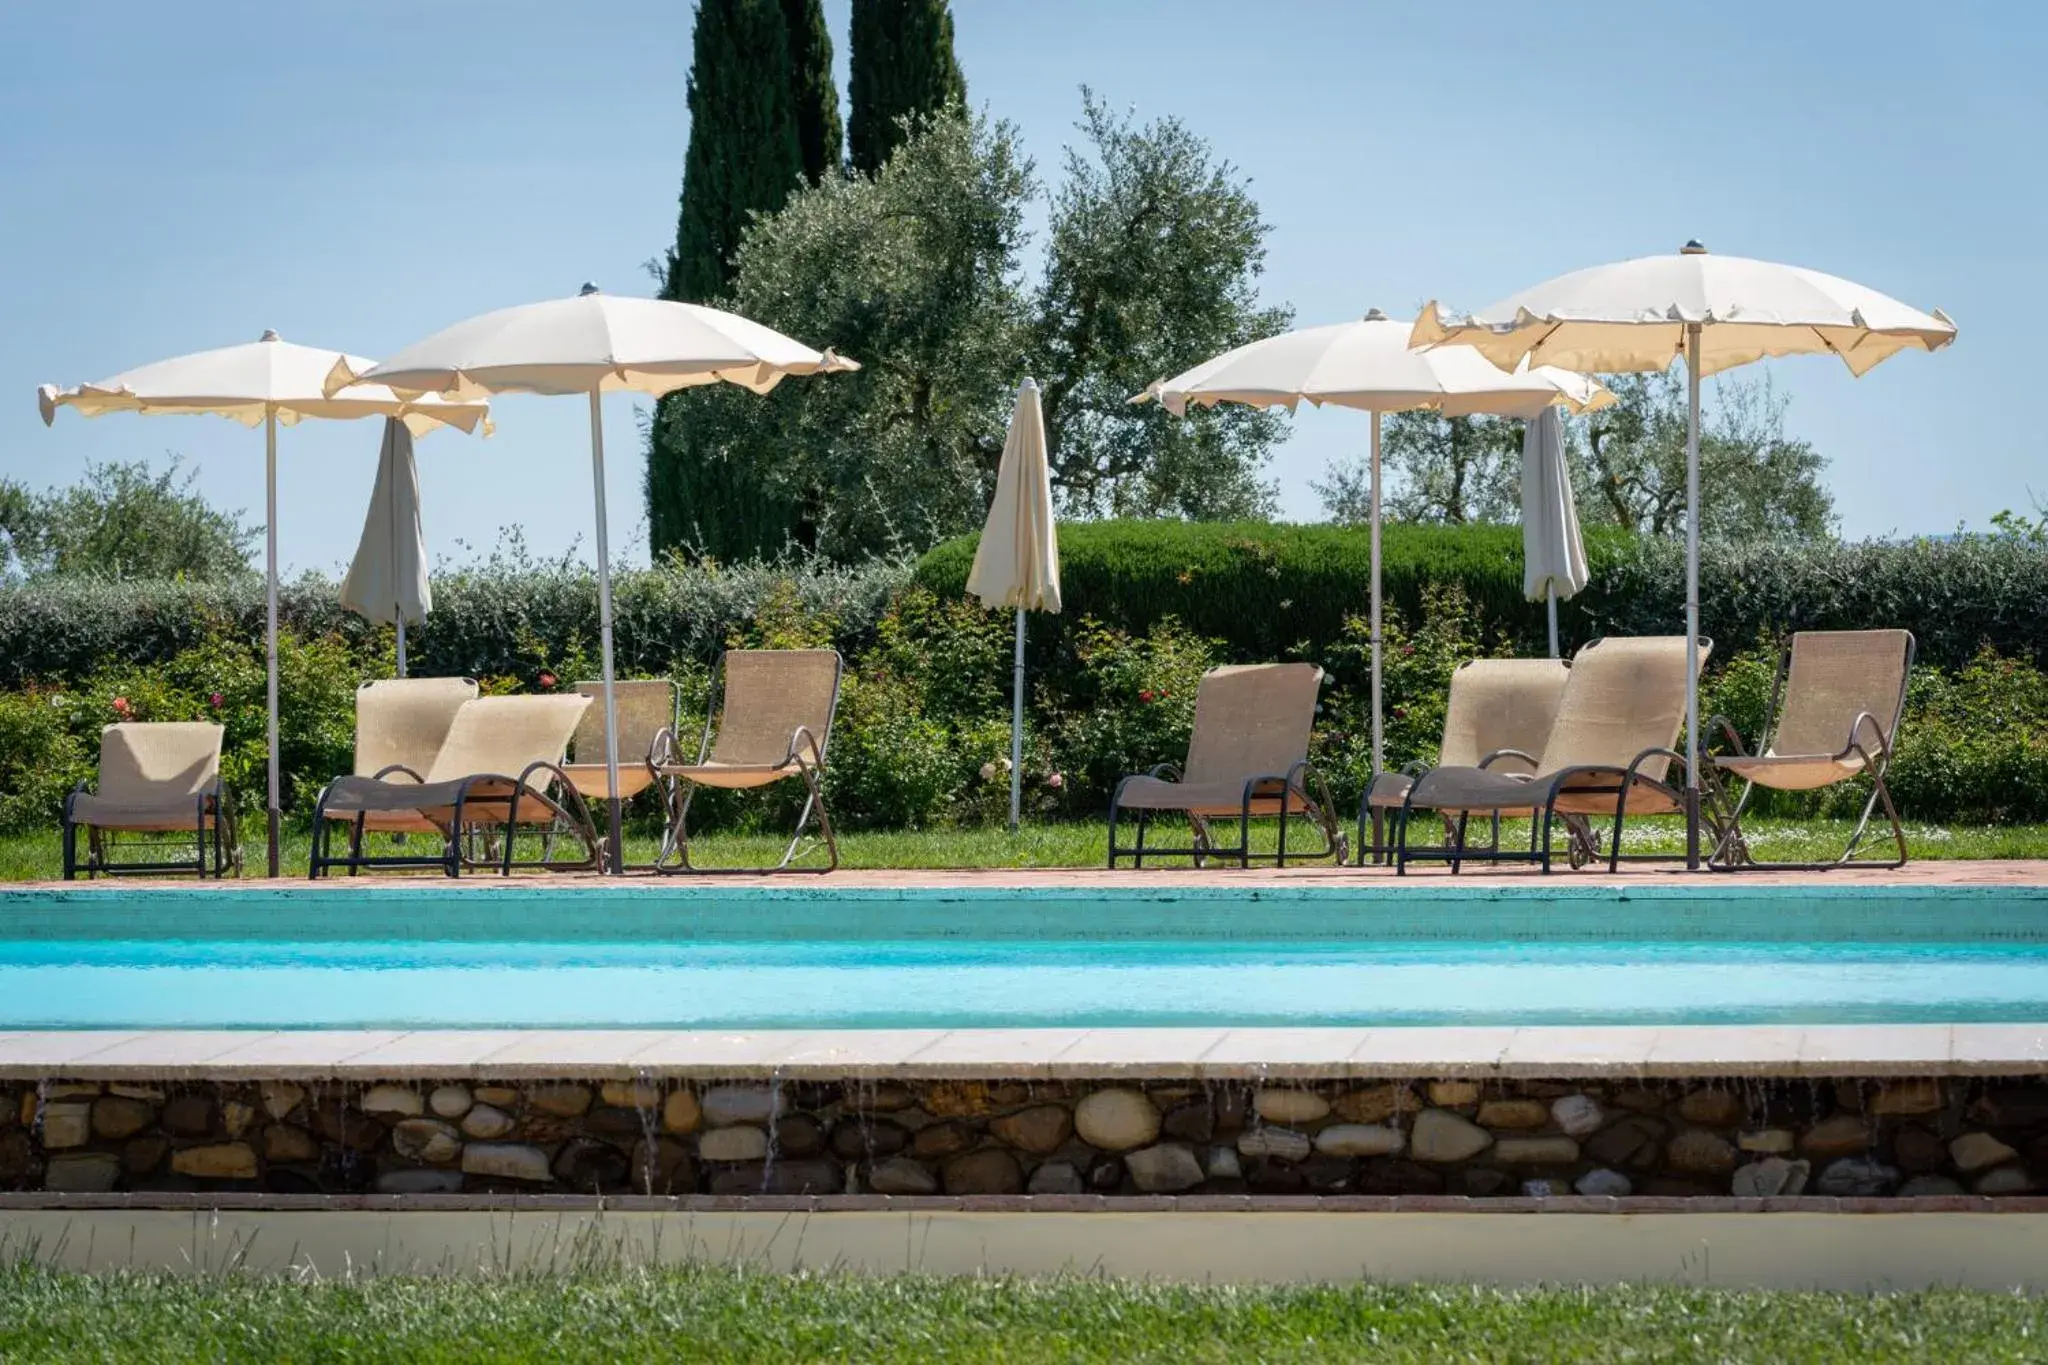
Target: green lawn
{"x":708,"y":1314}
{"x":1083,"y":844}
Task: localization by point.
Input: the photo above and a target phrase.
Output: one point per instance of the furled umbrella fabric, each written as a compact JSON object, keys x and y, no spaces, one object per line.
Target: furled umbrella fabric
{"x":1714,"y":312}
{"x":594,"y":344}
{"x":1017,"y":563}
{"x":1553,"y":554}
{"x":1368,"y":364}
{"x":387,"y":580}
{"x":268,"y":383}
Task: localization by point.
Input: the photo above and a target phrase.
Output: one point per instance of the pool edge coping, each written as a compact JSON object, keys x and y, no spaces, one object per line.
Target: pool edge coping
{"x":1648,"y":1052}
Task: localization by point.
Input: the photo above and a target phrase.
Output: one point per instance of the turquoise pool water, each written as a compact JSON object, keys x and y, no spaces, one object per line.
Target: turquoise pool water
{"x":708,"y":958}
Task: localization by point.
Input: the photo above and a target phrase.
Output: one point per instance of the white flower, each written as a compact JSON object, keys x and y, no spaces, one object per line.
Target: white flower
{"x":988,"y":772}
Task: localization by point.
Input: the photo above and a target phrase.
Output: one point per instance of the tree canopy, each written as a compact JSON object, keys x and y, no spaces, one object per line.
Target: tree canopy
{"x":1627,"y":461}
{"x":902,"y":67}
{"x":1153,"y":252}
{"x":812,"y":87}
{"x":122,"y":521}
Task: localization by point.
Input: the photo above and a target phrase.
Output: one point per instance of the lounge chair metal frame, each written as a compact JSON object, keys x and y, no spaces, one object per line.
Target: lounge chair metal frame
{"x":1379,"y":851}
{"x":213,"y":803}
{"x":805,"y":760}
{"x":1294,"y":783}
{"x":1731,"y":849}
{"x":460,"y":835}
{"x":1582,"y":841}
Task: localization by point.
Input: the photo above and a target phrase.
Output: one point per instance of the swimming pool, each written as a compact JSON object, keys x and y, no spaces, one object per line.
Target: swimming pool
{"x":707,"y":957}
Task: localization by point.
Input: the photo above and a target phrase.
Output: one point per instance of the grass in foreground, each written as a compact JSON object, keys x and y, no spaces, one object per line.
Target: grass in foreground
{"x":27,"y":857}
{"x":717,"y":1314}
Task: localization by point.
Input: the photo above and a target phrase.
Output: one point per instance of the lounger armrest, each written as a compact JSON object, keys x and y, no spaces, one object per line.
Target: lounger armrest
{"x":1165,"y":772}
{"x":1525,"y":756}
{"x":384,"y":773}
{"x":1881,"y":749}
{"x":1726,"y":727}
{"x":798,"y":739}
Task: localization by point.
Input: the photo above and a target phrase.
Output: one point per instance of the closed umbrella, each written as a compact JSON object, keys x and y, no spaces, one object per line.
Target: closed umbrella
{"x":387,"y":580}
{"x":1017,"y":563}
{"x":1714,"y":312}
{"x":1368,"y":364}
{"x":1553,"y":556}
{"x":272,"y":383}
{"x":594,"y":344}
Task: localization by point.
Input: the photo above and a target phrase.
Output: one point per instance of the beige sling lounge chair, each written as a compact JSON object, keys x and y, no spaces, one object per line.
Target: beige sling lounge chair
{"x":769,"y":718}
{"x":400,"y":726}
{"x":498,"y":770}
{"x":1247,"y":760}
{"x":155,"y":778}
{"x":1497,"y":716}
{"x":1608,"y":753}
{"x":646,"y":707}
{"x":1835,"y":710}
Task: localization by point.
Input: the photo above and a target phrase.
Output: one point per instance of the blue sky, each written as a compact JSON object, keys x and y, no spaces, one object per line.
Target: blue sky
{"x":184,"y":176}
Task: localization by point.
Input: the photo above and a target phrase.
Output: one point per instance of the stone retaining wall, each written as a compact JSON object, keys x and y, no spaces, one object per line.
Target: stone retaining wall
{"x":1491,"y":1139}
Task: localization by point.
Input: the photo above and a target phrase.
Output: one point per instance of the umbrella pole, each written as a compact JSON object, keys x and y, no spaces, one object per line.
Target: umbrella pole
{"x":1692,"y":596}
{"x":1550,"y":595}
{"x":270,"y":617}
{"x":1017,"y":730}
{"x":617,"y":852}
{"x":1378,"y":758}
{"x":401,"y":640}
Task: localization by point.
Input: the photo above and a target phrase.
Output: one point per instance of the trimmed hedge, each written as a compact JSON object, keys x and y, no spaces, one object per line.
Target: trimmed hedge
{"x":487,"y":622}
{"x":1272,"y":591}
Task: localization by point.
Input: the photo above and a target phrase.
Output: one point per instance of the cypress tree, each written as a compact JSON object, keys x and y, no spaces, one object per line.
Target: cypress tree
{"x":903,"y":63}
{"x":811,"y":83}
{"x":744,"y":153}
{"x":747,"y":151}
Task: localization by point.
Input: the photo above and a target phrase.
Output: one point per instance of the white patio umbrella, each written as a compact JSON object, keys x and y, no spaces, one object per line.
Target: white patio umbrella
{"x":594,"y":344}
{"x":1553,"y":555}
{"x":1368,"y":364}
{"x":387,"y":580}
{"x":273,"y":383}
{"x":1714,"y":312}
{"x":1017,"y":563}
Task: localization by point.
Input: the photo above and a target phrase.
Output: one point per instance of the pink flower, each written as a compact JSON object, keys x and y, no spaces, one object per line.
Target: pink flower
{"x":1407,"y":649}
{"x":547,"y":680}
{"x":216,"y":701}
{"x":1145,"y":694}
{"x":1400,"y":712}
{"x":121,"y":705}
{"x":1056,"y":781}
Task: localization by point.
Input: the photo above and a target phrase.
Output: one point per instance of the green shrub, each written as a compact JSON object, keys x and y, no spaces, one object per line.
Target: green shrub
{"x":1122,"y":703}
{"x":40,"y":759}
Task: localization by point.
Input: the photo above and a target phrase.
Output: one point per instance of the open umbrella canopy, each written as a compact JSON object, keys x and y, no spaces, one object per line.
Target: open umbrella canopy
{"x":595,"y":341}
{"x":1633,"y":315}
{"x":248,"y":382}
{"x":594,"y":344}
{"x":1369,"y":364}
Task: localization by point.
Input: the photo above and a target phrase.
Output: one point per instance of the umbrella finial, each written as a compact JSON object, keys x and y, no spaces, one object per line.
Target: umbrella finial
{"x":270,"y":334}
{"x":1693,"y":247}
{"x":1375,"y":315}
{"x":588,"y":288}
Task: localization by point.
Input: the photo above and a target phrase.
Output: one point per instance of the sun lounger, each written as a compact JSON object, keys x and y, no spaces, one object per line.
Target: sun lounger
{"x":1247,"y":759}
{"x":646,"y":707}
{"x":400,"y":726}
{"x":155,"y":779}
{"x":1497,"y":716}
{"x":497,"y":772}
{"x":1608,"y":754}
{"x":769,"y":719}
{"x":1834,"y":715}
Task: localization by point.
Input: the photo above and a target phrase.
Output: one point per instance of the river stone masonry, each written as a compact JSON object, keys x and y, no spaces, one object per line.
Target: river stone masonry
{"x":1483,"y":1139}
